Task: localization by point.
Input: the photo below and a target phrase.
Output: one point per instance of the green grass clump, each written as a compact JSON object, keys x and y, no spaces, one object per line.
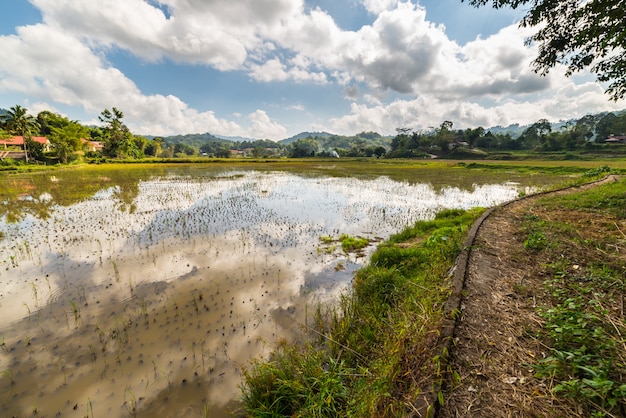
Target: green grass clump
{"x":350,"y":243}
{"x":300,"y":386}
{"x":373,"y":353}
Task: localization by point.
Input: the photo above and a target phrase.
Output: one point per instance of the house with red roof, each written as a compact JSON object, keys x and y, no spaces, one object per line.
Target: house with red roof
{"x":94,"y":146}
{"x":18,"y":141}
{"x":14,"y":147}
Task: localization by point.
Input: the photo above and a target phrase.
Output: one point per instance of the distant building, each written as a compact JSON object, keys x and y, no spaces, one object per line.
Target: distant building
{"x":616,"y":139}
{"x":94,"y":146}
{"x":18,"y":141}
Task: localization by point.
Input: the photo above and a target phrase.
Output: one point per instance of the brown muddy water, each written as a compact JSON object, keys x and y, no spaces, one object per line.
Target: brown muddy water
{"x":134,"y":292}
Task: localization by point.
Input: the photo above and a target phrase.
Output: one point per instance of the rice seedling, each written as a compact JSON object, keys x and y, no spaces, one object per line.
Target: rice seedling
{"x":116,"y":271}
{"x":89,"y":409}
{"x":76,"y":312}
{"x":27,"y":310}
{"x":130,"y":401}
{"x":9,"y":375}
{"x":35,"y":295}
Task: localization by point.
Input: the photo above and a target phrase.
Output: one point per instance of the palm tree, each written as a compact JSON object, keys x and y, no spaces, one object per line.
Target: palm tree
{"x":20,"y":123}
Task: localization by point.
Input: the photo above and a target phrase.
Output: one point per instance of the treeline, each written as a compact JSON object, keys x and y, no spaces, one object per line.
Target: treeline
{"x":70,"y":140}
{"x":588,"y":132}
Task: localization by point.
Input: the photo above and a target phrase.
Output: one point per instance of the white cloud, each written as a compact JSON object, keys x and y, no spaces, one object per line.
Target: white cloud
{"x":274,"y":70}
{"x":377,"y":6}
{"x":425,"y":111}
{"x":264,"y":127}
{"x":43,"y":62}
{"x":400,"y":70}
{"x":218,"y":33}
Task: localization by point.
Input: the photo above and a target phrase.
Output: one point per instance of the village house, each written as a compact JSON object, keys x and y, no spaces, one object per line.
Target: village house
{"x":18,"y":141}
{"x":14,"y":147}
{"x":93,"y":146}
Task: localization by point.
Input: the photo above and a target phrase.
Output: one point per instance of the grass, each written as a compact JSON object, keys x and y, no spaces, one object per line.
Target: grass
{"x":350,"y":243}
{"x":584,"y":329}
{"x":373,"y":353}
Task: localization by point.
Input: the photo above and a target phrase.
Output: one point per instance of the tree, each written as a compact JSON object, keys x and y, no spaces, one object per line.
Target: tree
{"x":20,"y":123}
{"x":154,"y":148}
{"x":379,"y":151}
{"x":118,"y":141}
{"x":444,"y":135}
{"x":472,"y":135}
{"x":306,"y":147}
{"x":65,"y":135}
{"x":578,"y":34}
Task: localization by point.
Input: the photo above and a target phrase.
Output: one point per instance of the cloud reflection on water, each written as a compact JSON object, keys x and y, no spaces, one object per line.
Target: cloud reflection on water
{"x":184,"y":282}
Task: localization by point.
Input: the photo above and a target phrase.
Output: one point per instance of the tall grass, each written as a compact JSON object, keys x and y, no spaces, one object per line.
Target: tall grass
{"x":371,"y":354}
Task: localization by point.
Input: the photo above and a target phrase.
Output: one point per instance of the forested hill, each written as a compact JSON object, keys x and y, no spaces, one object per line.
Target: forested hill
{"x":303,"y":135}
{"x":302,"y":145}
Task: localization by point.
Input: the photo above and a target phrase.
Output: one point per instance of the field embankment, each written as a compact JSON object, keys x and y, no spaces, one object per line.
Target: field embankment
{"x":541,"y":327}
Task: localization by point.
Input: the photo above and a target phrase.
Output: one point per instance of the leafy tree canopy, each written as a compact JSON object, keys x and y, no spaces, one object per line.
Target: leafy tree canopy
{"x":577,"y":34}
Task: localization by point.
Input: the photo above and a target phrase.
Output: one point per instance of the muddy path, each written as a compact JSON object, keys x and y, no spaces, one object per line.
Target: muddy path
{"x":492,"y":344}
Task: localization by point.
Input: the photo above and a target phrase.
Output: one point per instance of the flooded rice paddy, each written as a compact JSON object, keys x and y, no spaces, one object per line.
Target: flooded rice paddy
{"x":143,"y":292}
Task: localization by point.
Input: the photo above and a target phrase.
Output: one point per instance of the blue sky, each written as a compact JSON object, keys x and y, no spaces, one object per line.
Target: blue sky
{"x":274,"y":68}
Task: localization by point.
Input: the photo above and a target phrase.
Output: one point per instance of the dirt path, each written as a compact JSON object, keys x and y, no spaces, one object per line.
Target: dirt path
{"x":494,"y":341}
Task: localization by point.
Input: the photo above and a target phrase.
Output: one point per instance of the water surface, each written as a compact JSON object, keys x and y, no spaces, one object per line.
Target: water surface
{"x":143,"y":291}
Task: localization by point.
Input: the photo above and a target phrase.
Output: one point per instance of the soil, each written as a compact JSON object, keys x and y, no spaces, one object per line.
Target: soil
{"x":494,"y":340}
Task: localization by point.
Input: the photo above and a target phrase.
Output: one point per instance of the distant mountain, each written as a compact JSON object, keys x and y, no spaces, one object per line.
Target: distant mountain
{"x":192,"y":138}
{"x":235,"y":138}
{"x":303,"y":135}
{"x":515,"y":130}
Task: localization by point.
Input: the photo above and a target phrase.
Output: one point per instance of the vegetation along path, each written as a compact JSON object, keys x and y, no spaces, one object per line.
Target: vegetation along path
{"x":540,"y":326}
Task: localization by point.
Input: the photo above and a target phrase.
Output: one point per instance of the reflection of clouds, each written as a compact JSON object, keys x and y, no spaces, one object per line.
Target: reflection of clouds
{"x":247,"y":240}
{"x":277,"y":214}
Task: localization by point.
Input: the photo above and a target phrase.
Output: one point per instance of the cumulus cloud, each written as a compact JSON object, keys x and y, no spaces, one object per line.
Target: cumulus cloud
{"x":35,"y":62}
{"x":263,"y":127}
{"x":425,"y":111}
{"x":377,"y":6}
{"x":398,"y":70}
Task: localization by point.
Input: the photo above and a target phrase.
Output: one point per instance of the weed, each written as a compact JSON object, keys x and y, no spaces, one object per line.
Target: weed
{"x":327,"y":239}
{"x":536,"y":241}
{"x":584,"y":355}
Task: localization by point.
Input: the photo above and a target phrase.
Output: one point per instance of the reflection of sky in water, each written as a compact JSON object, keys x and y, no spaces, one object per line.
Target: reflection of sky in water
{"x":275,"y":214}
{"x":247,"y":241}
